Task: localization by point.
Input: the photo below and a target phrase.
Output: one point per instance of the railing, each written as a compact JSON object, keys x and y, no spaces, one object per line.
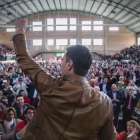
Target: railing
{"x":60,"y":51}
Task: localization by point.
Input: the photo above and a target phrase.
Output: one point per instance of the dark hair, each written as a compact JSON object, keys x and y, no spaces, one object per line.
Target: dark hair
{"x":20,"y":91}
{"x":29,"y":107}
{"x":19,"y":96}
{"x":81,"y":57}
{"x":105,"y":77}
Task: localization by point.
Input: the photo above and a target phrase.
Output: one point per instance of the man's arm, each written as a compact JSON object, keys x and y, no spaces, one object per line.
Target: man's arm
{"x":20,"y":134}
{"x":38,"y":76}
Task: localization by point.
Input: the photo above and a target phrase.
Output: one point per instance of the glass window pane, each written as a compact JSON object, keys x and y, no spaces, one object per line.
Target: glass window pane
{"x":50,"y":41}
{"x":11,"y":30}
{"x":37,"y":42}
{"x":37,"y":28}
{"x":86,"y":27}
{"x":98,"y":42}
{"x":113,"y":28}
{"x":139,"y":41}
{"x":61,"y":21}
{"x":72,"y":21}
{"x":61,"y":41}
{"x":72,"y":41}
{"x":98,"y":27}
{"x":86,"y":41}
{"x":50,"y":21}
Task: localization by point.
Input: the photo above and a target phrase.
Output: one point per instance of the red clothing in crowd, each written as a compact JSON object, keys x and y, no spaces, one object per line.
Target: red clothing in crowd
{"x":20,"y":125}
{"x":122,"y":136}
{"x":1,"y":113}
{"x":91,"y":84}
{"x":26,"y":100}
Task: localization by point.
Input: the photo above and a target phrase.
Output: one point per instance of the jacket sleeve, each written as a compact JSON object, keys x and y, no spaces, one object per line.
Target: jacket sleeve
{"x":121,"y":136}
{"x":38,"y":76}
{"x":107,"y":131}
{"x":121,"y":98}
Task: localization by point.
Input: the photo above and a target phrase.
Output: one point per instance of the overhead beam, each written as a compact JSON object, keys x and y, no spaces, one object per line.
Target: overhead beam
{"x":92,"y":5}
{"x":124,"y":8}
{"x":114,"y":7}
{"x":105,"y":9}
{"x":35,"y":6}
{"x":82,"y":13}
{"x":41,"y":5}
{"x":60,"y":4}
{"x":99,"y":7}
{"x":136,"y":7}
{"x":28,"y":7}
{"x":105,"y":25}
{"x":66,"y":4}
{"x":85,"y":5}
{"x":55,"y":4}
{"x":48,"y":4}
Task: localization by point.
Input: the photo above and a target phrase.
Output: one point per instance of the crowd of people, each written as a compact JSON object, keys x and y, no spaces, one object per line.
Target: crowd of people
{"x":131,"y":53}
{"x":119,"y":80}
{"x":6,"y":53}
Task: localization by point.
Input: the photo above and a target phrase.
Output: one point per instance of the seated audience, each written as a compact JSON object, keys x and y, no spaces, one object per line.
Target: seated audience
{"x":26,"y":99}
{"x":8,"y":123}
{"x":21,"y":126}
{"x":20,"y":107}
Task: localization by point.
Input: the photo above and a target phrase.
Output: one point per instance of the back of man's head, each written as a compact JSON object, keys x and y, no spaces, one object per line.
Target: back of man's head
{"x":81,"y":57}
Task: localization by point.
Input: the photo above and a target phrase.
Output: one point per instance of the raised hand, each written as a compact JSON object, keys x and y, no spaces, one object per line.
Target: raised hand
{"x":21,"y":24}
{"x":132,"y":135}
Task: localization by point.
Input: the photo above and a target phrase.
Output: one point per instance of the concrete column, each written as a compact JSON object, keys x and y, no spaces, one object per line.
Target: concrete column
{"x":45,"y":34}
{"x":78,"y":29}
{"x":105,"y":40}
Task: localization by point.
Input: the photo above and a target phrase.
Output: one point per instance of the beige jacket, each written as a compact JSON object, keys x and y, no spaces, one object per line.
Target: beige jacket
{"x":70,"y":109}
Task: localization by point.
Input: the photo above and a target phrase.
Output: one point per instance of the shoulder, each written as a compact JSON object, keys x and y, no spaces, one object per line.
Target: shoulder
{"x":26,"y":104}
{"x":109,"y":92}
{"x":121,"y":135}
{"x":18,"y":120}
{"x":118,"y":92}
{"x":20,"y":125}
{"x":104,"y":98}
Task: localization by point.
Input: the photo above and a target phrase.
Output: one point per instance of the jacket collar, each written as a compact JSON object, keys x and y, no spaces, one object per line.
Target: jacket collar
{"x":75,"y":78}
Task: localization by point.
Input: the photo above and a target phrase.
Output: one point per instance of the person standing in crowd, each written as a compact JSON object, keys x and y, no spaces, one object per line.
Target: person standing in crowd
{"x":131,"y":83}
{"x":31,"y":90}
{"x":21,"y":126}
{"x":8,"y":123}
{"x":20,"y":85}
{"x":69,"y":96}
{"x":117,"y":100}
{"x":105,"y":86}
{"x":20,"y":106}
{"x":121,"y":87}
{"x":130,"y":102}
{"x":26,"y":99}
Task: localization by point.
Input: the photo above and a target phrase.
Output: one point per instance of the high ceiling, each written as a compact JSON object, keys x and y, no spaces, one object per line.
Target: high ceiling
{"x":119,"y":11}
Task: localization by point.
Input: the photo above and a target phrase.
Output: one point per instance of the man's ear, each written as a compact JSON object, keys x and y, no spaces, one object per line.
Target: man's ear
{"x":69,"y":65}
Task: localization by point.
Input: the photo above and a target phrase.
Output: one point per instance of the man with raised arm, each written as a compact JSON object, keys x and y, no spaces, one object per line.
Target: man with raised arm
{"x":69,"y":109}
